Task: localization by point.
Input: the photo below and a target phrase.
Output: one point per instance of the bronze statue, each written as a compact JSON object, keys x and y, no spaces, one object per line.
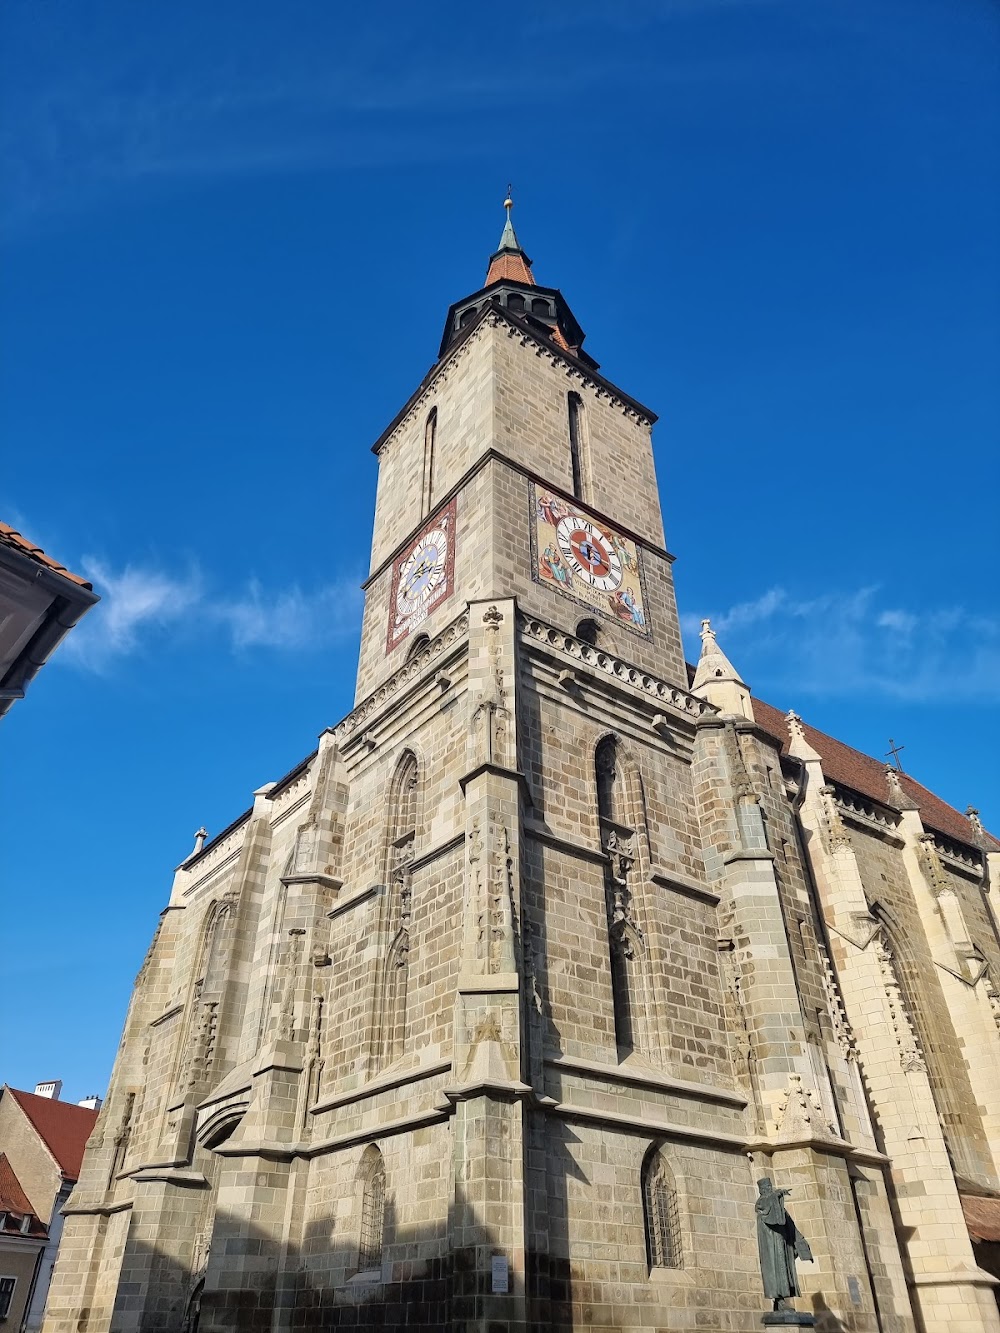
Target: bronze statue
{"x":780,"y":1243}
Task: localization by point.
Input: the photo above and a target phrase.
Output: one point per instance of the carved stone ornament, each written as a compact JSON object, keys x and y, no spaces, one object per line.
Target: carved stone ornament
{"x":800,"y":1111}
{"x":835,"y":835}
{"x":842,"y":1029}
{"x":623,"y":928}
{"x":910,"y":1056}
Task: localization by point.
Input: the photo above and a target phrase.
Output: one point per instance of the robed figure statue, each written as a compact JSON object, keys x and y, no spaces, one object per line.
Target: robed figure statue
{"x":780,"y":1243}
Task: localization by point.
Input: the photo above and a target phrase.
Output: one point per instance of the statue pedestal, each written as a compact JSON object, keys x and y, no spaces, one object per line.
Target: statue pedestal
{"x":788,"y":1319}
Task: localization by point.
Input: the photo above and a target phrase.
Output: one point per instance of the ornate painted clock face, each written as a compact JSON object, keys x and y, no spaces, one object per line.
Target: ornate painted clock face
{"x":580,"y":556}
{"x":422,"y":576}
{"x":589,"y":553}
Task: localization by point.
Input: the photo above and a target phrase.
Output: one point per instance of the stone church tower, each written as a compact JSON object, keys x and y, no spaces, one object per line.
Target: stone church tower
{"x":490,"y":1014}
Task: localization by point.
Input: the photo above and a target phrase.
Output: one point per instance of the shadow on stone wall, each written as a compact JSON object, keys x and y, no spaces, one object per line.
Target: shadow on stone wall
{"x":255,"y":1283}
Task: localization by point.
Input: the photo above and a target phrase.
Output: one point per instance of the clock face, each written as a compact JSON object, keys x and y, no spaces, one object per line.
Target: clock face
{"x":422,"y":572}
{"x":580,"y":556}
{"x":422,"y":576}
{"x":589,"y":553}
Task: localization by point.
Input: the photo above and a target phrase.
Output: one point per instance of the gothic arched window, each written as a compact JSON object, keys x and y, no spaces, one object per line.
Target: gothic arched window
{"x":372,"y":1233}
{"x":430,"y":440}
{"x":618,"y":808}
{"x":389,"y":1021}
{"x":576,"y":444}
{"x":217,"y":941}
{"x":661,"y":1214}
{"x":418,"y":645}
{"x":588,"y":631}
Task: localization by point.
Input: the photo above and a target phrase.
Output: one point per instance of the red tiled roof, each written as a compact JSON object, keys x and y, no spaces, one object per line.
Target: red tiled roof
{"x":62,"y":1127}
{"x":11,"y":537}
{"x":982,"y":1217}
{"x":12,"y":1197}
{"x":511,"y":266}
{"x":850,"y":768}
{"x":14,"y":1200}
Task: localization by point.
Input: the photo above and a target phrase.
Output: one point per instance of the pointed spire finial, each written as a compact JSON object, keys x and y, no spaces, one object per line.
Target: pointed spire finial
{"x":508,"y":239}
{"x":509,"y":261}
{"x":717,"y":680}
{"x":798,"y":745}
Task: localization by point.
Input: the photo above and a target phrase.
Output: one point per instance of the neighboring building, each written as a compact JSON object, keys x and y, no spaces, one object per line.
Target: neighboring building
{"x":489,"y":1014}
{"x":23,"y":1238}
{"x":40,"y":602}
{"x":41,"y":1148}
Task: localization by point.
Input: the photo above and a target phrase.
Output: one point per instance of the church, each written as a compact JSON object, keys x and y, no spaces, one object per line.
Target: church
{"x":492,"y":1013}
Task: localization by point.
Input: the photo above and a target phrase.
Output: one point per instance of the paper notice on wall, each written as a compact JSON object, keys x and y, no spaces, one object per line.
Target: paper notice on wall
{"x":501,"y":1282}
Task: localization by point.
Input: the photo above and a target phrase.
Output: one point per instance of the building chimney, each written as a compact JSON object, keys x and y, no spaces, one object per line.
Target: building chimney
{"x":52,"y":1089}
{"x":92,"y":1103}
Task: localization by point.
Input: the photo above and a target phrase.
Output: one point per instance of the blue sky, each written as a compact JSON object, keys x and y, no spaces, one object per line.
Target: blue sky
{"x":231,"y":233}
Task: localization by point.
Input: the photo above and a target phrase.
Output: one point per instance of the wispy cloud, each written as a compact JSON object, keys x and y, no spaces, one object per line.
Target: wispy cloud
{"x":137,"y":604}
{"x":857,"y":642}
{"x":290,"y":618}
{"x":145,"y":607}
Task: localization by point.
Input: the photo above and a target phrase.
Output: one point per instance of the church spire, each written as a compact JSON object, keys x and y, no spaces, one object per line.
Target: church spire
{"x":510,"y":286}
{"x":509,"y":263}
{"x":716,"y":678}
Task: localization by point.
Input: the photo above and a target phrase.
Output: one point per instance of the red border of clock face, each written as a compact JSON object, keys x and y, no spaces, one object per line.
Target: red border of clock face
{"x":600,"y":568}
{"x":442,"y":518}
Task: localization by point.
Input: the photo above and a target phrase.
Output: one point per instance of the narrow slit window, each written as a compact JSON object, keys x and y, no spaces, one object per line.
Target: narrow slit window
{"x":575,"y":408}
{"x":372,"y":1214}
{"x":430,"y":442}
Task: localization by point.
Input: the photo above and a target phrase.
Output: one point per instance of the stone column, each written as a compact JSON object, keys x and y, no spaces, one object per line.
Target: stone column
{"x":488,"y":1215}
{"x":963,"y":971}
{"x":796,"y":1143}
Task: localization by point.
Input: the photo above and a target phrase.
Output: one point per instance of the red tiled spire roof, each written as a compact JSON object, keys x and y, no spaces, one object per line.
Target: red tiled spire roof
{"x":510,"y":263}
{"x":11,"y":537}
{"x":510,"y":266}
{"x":62,"y":1127}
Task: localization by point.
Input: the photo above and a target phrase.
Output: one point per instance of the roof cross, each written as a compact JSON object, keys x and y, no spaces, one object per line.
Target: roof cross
{"x":894,"y":750}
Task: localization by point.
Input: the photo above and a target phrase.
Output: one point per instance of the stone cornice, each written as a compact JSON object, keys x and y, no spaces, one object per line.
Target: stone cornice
{"x":410,"y":671}
{"x":492,"y":455}
{"x":647,"y":1078}
{"x":493,"y":317}
{"x":383,"y":1083}
{"x":867,"y":814}
{"x":562,"y":644}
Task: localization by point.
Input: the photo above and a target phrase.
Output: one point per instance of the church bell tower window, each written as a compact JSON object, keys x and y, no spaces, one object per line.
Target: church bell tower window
{"x":576,"y":445}
{"x":430,"y":440}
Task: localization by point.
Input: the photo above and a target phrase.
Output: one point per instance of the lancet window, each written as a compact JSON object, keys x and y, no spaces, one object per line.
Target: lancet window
{"x":932,"y":1040}
{"x":577,"y":445}
{"x":218,"y":937}
{"x":618,"y":802}
{"x":390,"y":1009}
{"x":430,"y":441}
{"x":661,"y":1214}
{"x":372,"y":1235}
